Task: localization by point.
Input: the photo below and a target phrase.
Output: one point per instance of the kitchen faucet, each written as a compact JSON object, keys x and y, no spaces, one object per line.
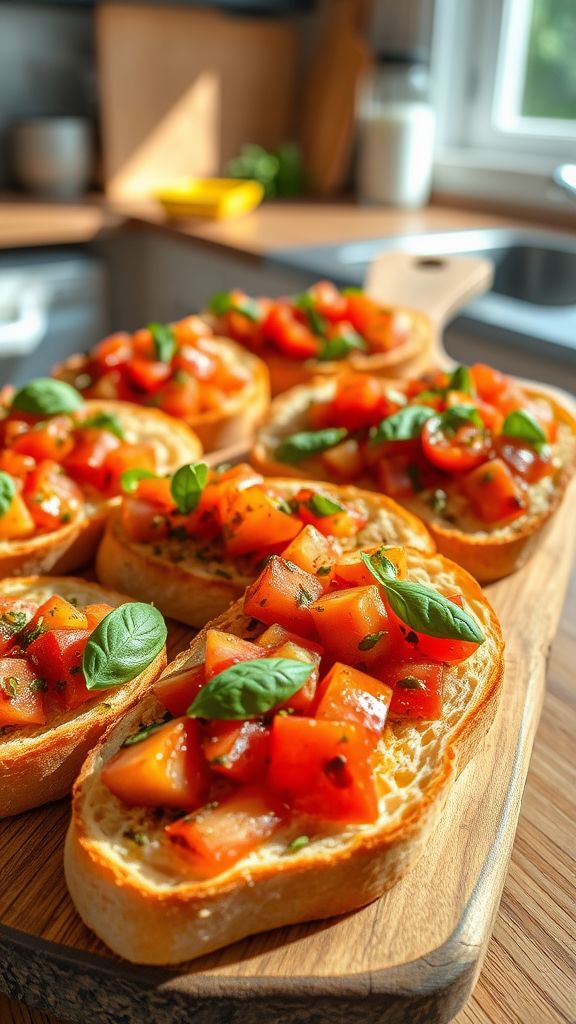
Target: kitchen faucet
{"x":565,"y":177}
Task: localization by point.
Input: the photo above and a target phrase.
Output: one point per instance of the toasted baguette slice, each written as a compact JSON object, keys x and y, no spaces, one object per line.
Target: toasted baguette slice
{"x":141,"y":898}
{"x":235,"y":419}
{"x":194,"y":590}
{"x":489,"y":553}
{"x":74,"y":545}
{"x":39,"y":763}
{"x":413,"y":355}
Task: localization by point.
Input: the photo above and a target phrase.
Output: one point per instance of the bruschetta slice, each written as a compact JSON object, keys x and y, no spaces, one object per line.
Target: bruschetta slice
{"x":193,"y":543}
{"x":61,"y":460}
{"x":74,"y":657}
{"x":212,"y":384}
{"x":481,"y":458}
{"x":293,"y":764}
{"x":322,"y":331}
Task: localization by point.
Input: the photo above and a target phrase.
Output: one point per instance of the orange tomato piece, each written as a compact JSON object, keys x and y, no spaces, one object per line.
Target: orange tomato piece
{"x":346,"y":522}
{"x":166,"y":769}
{"x":348,"y":695}
{"x":177,"y":690}
{"x":344,"y":459}
{"x":57,"y":613}
{"x":143,"y":521}
{"x":283,"y":593}
{"x":179,"y":397}
{"x":146,"y":375}
{"x":493,"y":492}
{"x":303,"y":699}
{"x":14,"y":464}
{"x":221,"y":834}
{"x":52,"y":439}
{"x":237,"y":750}
{"x":112,"y":351}
{"x":353,"y":625}
{"x":95,"y":613}
{"x":276,"y":635}
{"x":16,"y":522}
{"x":254,"y":519}
{"x":15,"y":614}
{"x":349,"y":568}
{"x":359,"y":401}
{"x":58,"y":654}
{"x":324,"y":768}
{"x":126,"y":456}
{"x":87,"y":460}
{"x":21,"y":699}
{"x":416,"y":689}
{"x":226,"y":649}
{"x":312,"y":551}
{"x":53,"y":499}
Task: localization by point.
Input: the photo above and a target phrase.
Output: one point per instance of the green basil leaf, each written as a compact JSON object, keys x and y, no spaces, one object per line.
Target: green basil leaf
{"x":301,"y":446}
{"x":131,"y":477}
{"x":7,"y":492}
{"x":422,"y":608}
{"x":223,"y":302}
{"x":105,"y":421}
{"x":321,"y":505}
{"x":164,"y":341}
{"x":47,"y":397}
{"x":521,"y":425}
{"x":403,"y":425}
{"x":461,"y":380}
{"x":123,"y":645}
{"x":341,"y":345}
{"x":458,"y":415}
{"x":250,"y":688}
{"x":370,"y":640}
{"x":187,"y":485}
{"x":318,"y":323}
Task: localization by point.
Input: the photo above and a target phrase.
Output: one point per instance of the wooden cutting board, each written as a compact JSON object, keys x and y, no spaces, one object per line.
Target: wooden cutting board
{"x":414,"y":955}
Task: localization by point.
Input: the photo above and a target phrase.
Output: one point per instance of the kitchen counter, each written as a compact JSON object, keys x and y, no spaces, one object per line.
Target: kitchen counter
{"x":528,"y":974}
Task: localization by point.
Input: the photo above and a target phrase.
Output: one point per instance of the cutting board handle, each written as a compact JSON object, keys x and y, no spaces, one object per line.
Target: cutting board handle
{"x":436,"y":285}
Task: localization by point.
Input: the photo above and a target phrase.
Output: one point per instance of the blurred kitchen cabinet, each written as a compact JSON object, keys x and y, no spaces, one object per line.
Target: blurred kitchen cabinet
{"x":182,"y":89}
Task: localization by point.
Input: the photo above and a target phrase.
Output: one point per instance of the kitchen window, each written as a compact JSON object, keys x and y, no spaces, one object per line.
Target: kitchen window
{"x":505,"y":78}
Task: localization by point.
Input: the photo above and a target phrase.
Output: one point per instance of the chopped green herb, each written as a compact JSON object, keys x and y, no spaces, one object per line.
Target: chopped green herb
{"x":370,"y":640}
{"x":297,"y":844}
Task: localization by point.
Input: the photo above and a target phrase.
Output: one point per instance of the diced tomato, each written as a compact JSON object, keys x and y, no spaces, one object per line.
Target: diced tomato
{"x":346,"y":522}
{"x":303,"y":699}
{"x":52,"y":439}
{"x":359,"y":401}
{"x":222,"y":833}
{"x":276,"y":635}
{"x":227,"y":486}
{"x":324,"y":768}
{"x":180,"y":396}
{"x":57,"y":613}
{"x":282,"y":593}
{"x":328,"y":301}
{"x":417,"y":689}
{"x":396,"y":476}
{"x":455,"y":450}
{"x":228,"y":376}
{"x":16,"y":521}
{"x":143,"y":521}
{"x":190,"y":360}
{"x":312,"y":551}
{"x":488,"y":381}
{"x":86,"y":463}
{"x":237,"y":750}
{"x":14,"y":464}
{"x":142,"y":344}
{"x":124,"y":457}
{"x":15,"y":614}
{"x":113,"y":351}
{"x":412,"y":645}
{"x":166,"y":769}
{"x":177,"y":690}
{"x":21,"y":699}
{"x":344,"y":459}
{"x":254,"y":516}
{"x":58,"y":654}
{"x":360,"y":310}
{"x":351,"y":570}
{"x":493,"y":492}
{"x":348,"y":695}
{"x":543,"y":413}
{"x":155,"y":490}
{"x":283,"y":329}
{"x":387,"y":329}
{"x":525,"y":461}
{"x":12,"y":428}
{"x":95,"y":613}
{"x":52,"y":498}
{"x":226,"y":649}
{"x":353,"y":625}
{"x":146,"y":375}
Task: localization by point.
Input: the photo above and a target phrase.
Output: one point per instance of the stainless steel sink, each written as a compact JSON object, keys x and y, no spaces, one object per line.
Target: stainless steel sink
{"x":532,"y":303}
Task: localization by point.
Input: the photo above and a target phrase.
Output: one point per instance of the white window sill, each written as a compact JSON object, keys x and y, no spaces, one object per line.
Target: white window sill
{"x":516,"y":178}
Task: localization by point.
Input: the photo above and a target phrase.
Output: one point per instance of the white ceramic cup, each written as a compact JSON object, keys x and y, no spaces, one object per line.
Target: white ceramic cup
{"x":53,"y":155}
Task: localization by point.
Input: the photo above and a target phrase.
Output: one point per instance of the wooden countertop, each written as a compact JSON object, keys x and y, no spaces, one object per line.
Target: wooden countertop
{"x":529,"y":968}
{"x":30,"y":222}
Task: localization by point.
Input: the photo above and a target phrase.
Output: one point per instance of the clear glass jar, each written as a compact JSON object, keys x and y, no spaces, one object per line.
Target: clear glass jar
{"x":396,"y":132}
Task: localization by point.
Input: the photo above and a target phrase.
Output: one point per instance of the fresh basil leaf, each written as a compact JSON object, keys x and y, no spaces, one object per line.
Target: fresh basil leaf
{"x":164,"y":341}
{"x":250,"y":688}
{"x":223,"y":302}
{"x":321,"y":505}
{"x":301,"y":446}
{"x":370,"y":640}
{"x":187,"y":485}
{"x":131,"y":477}
{"x":341,"y":345}
{"x":105,"y":421}
{"x":7,"y":492}
{"x":461,"y":380}
{"x":422,"y":608}
{"x":403,"y":425}
{"x":123,"y":645}
{"x":521,"y":425}
{"x":47,"y":397}
{"x":458,"y":415}
{"x":318,"y":323}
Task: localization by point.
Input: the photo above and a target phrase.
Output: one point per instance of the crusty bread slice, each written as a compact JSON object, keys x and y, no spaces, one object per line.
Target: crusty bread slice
{"x":74,"y":545}
{"x":235,"y":419}
{"x":411,"y":356}
{"x":39,"y":763}
{"x":141,"y":898}
{"x":194,"y":589}
{"x":488,"y":553}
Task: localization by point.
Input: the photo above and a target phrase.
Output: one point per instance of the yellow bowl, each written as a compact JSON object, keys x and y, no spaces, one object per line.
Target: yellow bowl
{"x":209,"y":197}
